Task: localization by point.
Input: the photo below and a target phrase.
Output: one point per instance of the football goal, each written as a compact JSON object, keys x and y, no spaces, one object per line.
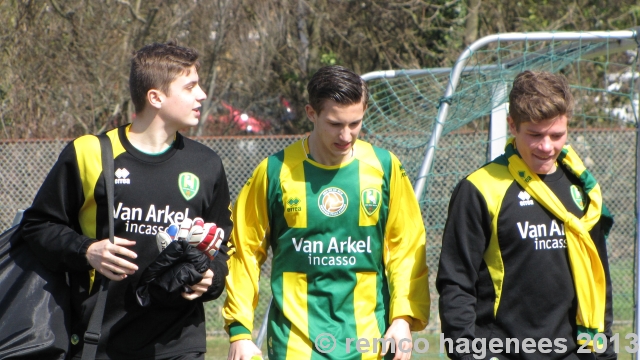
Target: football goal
{"x":446,"y":122}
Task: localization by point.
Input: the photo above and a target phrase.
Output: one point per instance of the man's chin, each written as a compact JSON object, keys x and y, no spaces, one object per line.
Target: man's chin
{"x":544,"y":169}
{"x":191,"y":123}
{"x":342,"y":152}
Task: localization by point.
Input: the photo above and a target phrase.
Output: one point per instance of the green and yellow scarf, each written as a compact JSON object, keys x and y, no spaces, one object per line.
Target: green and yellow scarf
{"x":586,"y":266}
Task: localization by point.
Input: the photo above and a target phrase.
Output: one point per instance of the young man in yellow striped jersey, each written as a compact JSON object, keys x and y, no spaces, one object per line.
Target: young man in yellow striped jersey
{"x":347,"y":237}
{"x":523,"y":252}
{"x":162,"y":178}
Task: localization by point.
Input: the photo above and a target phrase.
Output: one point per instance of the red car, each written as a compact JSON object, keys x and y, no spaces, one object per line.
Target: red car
{"x":244,"y":121}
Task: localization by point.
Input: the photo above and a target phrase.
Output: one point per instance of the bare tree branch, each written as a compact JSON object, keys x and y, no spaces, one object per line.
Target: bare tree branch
{"x":132,"y":10}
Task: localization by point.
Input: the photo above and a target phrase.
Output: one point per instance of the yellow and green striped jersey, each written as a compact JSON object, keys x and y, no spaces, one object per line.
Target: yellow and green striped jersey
{"x":348,"y":246}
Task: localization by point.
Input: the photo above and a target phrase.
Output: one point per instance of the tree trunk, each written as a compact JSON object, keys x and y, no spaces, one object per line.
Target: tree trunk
{"x":471,"y":26}
{"x":303,"y":57}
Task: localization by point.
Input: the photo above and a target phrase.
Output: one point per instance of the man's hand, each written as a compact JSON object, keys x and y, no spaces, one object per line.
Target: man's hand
{"x":400,"y":332}
{"x":243,"y":350}
{"x":201,"y":287}
{"x":103,"y":256}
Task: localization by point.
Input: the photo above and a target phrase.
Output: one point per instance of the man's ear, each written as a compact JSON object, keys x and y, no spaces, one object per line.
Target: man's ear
{"x":155,"y":98}
{"x":311,"y":113}
{"x":512,"y":126}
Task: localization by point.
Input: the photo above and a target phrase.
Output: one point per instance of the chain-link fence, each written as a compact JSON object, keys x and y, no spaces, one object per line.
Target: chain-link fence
{"x":609,"y":154}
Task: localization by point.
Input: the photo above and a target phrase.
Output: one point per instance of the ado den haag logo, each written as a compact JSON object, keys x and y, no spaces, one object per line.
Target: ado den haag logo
{"x":370,"y":200}
{"x":333,"y":201}
{"x":576,"y":194}
{"x":188,"y":184}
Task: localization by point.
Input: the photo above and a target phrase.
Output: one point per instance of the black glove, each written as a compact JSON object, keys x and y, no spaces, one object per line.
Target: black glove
{"x":177,"y":266}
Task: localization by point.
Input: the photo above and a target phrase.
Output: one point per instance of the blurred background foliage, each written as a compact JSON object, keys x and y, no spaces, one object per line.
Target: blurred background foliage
{"x":65,"y":64}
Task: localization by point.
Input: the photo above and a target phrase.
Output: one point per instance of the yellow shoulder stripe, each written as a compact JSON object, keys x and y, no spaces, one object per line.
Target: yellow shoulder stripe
{"x":493,"y":181}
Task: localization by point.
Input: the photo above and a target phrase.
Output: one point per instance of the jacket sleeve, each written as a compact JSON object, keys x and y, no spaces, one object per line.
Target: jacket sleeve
{"x":405,"y":252}
{"x":466,"y":235}
{"x":249,"y":239}
{"x":220,"y":214}
{"x":51,"y":226}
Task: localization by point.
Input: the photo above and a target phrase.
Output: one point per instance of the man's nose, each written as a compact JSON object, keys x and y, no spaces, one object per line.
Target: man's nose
{"x":201,"y":96}
{"x":546,"y":144}
{"x":345,"y":134}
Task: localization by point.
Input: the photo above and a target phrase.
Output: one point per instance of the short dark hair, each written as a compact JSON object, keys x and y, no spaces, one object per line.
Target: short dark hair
{"x":155,"y":66}
{"x":339,"y":84}
{"x":538,"y":96}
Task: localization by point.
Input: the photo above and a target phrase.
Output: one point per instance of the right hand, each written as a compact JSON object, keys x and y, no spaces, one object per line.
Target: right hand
{"x":103,"y":256}
{"x":200,"y":288}
{"x":243,"y":350}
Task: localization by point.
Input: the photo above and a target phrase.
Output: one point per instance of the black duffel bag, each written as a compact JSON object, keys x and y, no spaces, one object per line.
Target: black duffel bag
{"x":34,"y":304}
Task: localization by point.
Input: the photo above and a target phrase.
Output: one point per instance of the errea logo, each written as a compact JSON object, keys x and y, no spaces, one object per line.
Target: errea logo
{"x":525,"y":199}
{"x":121,"y":176}
{"x":294,"y":205}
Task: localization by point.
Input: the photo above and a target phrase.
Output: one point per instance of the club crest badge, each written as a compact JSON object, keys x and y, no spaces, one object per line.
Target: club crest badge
{"x":333,"y":202}
{"x":370,"y":200}
{"x":189,"y":184}
{"x":576,"y":194}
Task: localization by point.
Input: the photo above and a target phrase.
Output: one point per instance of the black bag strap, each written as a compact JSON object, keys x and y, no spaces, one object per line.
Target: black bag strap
{"x":92,"y":335}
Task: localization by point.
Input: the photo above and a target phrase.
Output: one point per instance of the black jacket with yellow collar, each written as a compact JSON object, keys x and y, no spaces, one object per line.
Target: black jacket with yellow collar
{"x":151,"y":192}
{"x":504,"y":270}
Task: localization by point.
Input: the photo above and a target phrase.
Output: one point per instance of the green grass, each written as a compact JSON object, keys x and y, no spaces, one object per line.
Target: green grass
{"x":623,"y":330}
{"x":217,"y":347}
{"x":622,"y":279}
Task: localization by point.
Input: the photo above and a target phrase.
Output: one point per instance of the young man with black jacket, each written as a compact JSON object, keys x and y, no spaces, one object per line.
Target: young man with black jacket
{"x":523,"y":270}
{"x":161,"y":178}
